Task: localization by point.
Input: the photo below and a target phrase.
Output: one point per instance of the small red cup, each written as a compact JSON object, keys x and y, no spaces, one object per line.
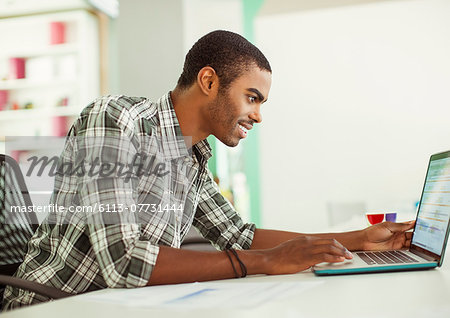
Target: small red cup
{"x":374,"y":218}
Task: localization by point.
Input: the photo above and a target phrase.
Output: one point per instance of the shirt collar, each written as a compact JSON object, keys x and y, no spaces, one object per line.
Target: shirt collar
{"x":204,"y":149}
{"x":172,"y":139}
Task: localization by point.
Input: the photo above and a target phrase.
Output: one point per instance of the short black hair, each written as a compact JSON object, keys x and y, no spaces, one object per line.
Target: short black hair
{"x":228,"y":53}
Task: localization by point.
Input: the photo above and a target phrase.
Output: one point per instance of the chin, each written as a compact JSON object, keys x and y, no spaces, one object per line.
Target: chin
{"x":234,"y":144}
{"x":229,"y":142}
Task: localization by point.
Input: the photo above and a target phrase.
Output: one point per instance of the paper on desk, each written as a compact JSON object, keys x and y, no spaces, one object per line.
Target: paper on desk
{"x":203,"y":295}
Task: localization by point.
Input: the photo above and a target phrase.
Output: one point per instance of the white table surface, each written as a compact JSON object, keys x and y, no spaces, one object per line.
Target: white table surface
{"x":400,"y":294}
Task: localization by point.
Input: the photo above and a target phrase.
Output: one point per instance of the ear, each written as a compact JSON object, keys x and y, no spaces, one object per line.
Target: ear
{"x":208,"y":81}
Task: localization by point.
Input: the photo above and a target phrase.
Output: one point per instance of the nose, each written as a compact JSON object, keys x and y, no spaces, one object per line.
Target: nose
{"x":256,"y":115}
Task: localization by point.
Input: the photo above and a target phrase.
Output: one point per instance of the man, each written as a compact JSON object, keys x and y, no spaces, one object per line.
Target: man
{"x":224,"y":82}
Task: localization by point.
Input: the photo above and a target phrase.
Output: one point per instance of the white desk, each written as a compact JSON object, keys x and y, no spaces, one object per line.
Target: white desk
{"x":402,"y":294}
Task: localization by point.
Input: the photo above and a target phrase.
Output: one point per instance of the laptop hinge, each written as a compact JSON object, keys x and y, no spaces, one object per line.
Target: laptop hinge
{"x":423,"y":255}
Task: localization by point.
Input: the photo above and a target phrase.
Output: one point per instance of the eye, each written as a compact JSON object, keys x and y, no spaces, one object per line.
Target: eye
{"x":252,"y":99}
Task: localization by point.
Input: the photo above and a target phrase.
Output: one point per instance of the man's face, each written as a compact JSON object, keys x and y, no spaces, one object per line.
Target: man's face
{"x":236,"y":109}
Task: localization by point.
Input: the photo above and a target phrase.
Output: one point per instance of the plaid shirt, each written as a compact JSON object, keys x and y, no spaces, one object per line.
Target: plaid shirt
{"x":77,"y":256}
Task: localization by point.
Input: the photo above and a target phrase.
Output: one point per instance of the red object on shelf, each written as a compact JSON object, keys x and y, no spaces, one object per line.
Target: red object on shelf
{"x":57,"y":32}
{"x":3,"y":99}
{"x":15,"y":154}
{"x":59,"y":126}
{"x":16,"y":68}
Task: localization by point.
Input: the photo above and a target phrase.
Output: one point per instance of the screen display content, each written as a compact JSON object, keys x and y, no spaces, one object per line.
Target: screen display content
{"x":434,"y":212}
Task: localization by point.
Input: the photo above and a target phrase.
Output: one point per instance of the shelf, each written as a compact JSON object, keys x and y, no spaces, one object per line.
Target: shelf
{"x":22,"y":114}
{"x":31,"y":143}
{"x":26,"y":83}
{"x":50,"y":50}
{"x":52,"y":71}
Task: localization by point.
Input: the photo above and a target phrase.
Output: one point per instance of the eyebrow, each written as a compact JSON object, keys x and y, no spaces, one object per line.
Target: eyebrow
{"x":257,"y":92}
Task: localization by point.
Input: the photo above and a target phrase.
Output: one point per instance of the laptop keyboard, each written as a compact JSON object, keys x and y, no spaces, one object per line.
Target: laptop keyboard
{"x":386,"y":257}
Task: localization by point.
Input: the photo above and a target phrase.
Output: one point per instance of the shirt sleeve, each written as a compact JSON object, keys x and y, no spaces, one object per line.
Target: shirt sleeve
{"x":218,"y":221}
{"x":125,"y":259}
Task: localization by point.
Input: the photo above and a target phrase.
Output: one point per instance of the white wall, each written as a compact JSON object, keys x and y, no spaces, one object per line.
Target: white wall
{"x":153,"y":37}
{"x":150,"y":46}
{"x":204,"y":16}
{"x":358,"y":103}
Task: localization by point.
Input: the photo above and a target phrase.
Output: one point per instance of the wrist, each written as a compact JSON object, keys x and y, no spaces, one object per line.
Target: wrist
{"x":255,"y":261}
{"x":361,"y":241}
{"x":354,"y":241}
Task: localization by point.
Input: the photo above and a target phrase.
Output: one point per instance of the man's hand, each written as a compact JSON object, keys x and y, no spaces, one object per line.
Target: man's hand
{"x":303,"y":252}
{"x":388,"y":235}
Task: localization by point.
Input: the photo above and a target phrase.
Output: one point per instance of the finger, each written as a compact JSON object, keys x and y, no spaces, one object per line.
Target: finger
{"x":400,"y":227}
{"x":402,"y":240}
{"x":328,"y":242}
{"x":407,"y":243}
{"x":329,"y":258}
{"x":333,"y":250}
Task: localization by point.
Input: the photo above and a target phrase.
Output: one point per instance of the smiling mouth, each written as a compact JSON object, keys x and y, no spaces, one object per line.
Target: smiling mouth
{"x":243,"y":129}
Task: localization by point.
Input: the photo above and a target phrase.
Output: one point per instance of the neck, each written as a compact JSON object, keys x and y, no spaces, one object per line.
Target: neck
{"x":189,"y":107}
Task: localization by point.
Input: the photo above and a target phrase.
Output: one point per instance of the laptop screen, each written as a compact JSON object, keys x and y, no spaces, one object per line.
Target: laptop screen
{"x":434,"y":210}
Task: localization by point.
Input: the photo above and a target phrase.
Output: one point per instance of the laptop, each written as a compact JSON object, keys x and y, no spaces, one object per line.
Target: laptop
{"x":429,"y":238}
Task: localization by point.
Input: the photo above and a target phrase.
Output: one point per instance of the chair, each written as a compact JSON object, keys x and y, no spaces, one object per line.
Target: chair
{"x":16,"y":230}
{"x":196,"y":242}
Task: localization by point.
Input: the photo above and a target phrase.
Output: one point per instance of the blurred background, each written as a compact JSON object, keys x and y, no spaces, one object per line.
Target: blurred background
{"x":360,"y":96}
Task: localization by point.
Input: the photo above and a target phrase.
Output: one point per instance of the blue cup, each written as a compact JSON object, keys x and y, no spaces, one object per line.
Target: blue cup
{"x":391,"y":217}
